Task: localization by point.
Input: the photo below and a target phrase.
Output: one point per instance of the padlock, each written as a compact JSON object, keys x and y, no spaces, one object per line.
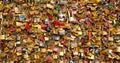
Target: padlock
{"x":26,"y":56}
{"x":61,"y":16}
{"x":93,"y":8}
{"x":2,"y":37}
{"x":55,"y":56}
{"x":48,"y":59}
{"x":18,"y":53}
{"x":61,"y":31}
{"x":71,"y":16}
{"x":18,"y":42}
{"x":43,"y":50}
{"x":36,"y":56}
{"x":16,"y":10}
{"x":118,"y":49}
{"x":63,"y":2}
{"x":50,"y":6}
{"x":61,"y":53}
{"x":56,"y":37}
{"x":18,"y":49}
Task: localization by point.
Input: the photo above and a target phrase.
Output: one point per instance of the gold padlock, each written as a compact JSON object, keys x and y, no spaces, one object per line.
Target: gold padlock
{"x":18,"y":53}
{"x":2,"y":37}
{"x":93,"y":8}
{"x":94,"y":14}
{"x":43,"y":50}
{"x":36,"y":56}
{"x":49,"y":11}
{"x":55,"y":56}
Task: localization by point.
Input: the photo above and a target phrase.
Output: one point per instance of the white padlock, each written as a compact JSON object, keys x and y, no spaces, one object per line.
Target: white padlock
{"x":16,"y":10}
{"x":61,"y":53}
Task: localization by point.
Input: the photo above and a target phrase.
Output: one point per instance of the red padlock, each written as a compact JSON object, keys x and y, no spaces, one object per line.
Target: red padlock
{"x":62,"y":42}
{"x":43,"y":26}
{"x":41,"y":37}
{"x":27,"y":26}
{"x":50,"y":17}
{"x":12,"y":29}
{"x":61,"y":23}
{"x":48,"y":59}
{"x":56,"y":23}
{"x":86,"y":50}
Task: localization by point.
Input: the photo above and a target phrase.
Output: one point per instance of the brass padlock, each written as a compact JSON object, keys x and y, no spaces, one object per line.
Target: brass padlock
{"x":36,"y":56}
{"x":2,"y":37}
{"x":43,"y":50}
{"x":55,"y":56}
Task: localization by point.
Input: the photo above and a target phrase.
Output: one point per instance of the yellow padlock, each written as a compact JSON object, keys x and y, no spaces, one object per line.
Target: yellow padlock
{"x":94,"y":14}
{"x":1,"y":2}
{"x":18,"y":53}
{"x":93,"y":8}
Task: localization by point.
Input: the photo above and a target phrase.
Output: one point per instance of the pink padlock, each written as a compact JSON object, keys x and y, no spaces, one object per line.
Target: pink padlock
{"x":61,"y":23}
{"x":12,"y":29}
{"x":18,"y":49}
{"x":43,"y":26}
{"x":55,"y":49}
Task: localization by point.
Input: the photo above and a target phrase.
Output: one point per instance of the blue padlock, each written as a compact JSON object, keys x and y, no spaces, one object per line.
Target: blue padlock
{"x":48,"y":29}
{"x":21,"y":17}
{"x":71,"y":61}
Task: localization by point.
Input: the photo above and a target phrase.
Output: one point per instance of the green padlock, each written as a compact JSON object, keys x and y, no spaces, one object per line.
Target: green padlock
{"x":14,"y":33}
{"x":117,"y":38}
{"x":57,"y":7}
{"x":114,"y":23}
{"x":41,"y":1}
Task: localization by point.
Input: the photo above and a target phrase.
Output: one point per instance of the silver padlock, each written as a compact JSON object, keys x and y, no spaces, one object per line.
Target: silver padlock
{"x":40,"y":43}
{"x":55,"y":37}
{"x":61,"y":16}
{"x":61,"y":32}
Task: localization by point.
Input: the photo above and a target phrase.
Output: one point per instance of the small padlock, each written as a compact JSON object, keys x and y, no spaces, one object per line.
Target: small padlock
{"x":55,"y":56}
{"x":61,"y":53}
{"x":43,"y":50}
{"x":71,"y":16}
{"x":2,"y":37}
